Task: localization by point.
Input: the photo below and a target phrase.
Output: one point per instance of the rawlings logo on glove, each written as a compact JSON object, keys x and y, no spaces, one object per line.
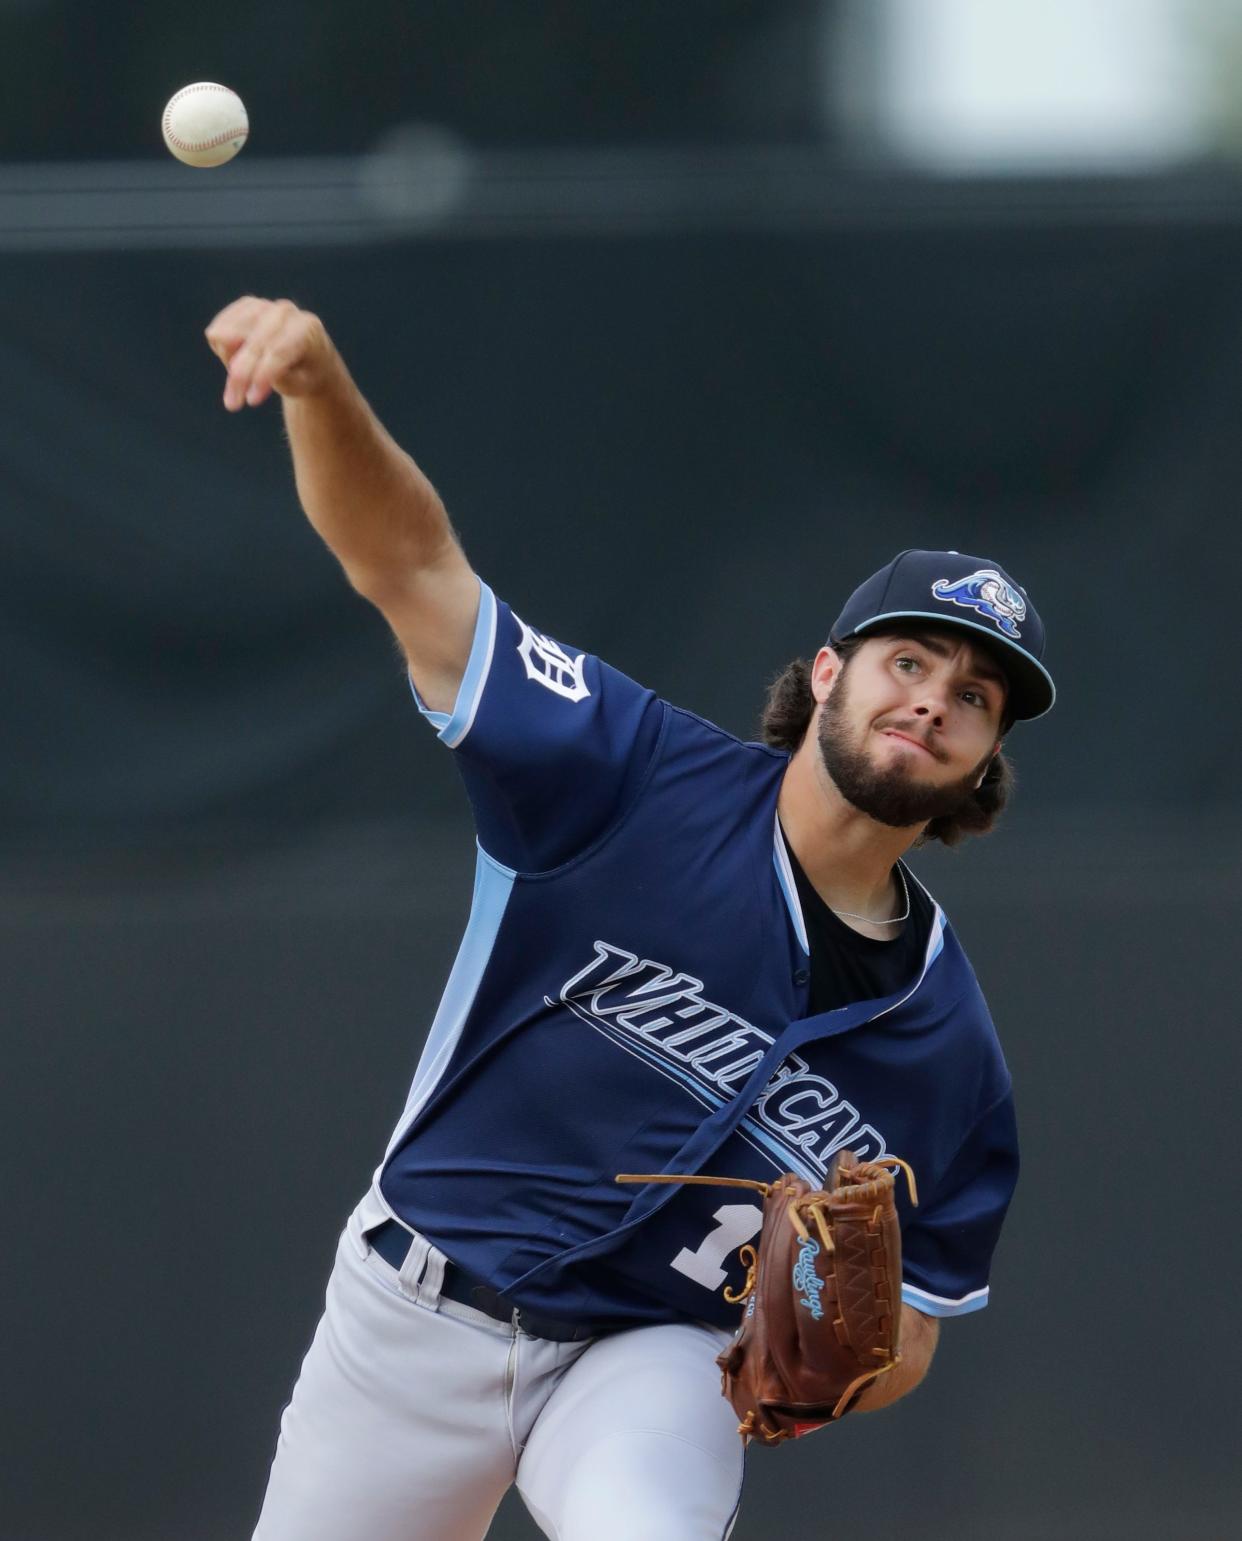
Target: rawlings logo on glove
{"x":822,"y":1293}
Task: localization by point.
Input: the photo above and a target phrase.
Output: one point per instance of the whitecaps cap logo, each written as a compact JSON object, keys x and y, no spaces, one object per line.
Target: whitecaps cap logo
{"x":987,"y":593}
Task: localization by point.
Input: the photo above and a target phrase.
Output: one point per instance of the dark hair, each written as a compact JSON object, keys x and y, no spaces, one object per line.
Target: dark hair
{"x":787,"y":714}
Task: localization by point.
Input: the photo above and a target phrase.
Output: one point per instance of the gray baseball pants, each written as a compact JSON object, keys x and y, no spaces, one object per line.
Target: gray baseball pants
{"x":413,"y":1415}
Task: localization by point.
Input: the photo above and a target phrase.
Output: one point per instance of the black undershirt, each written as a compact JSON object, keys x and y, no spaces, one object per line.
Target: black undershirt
{"x":848,"y":967}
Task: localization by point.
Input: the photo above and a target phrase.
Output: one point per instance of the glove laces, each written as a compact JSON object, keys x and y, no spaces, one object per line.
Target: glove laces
{"x":809,"y":1204}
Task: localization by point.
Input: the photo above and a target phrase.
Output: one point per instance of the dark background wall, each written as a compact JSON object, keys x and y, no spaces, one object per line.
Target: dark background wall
{"x":92,"y":76}
{"x":233,"y":864}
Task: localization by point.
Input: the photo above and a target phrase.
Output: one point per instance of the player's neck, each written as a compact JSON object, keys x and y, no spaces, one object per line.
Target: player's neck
{"x":847,"y":856}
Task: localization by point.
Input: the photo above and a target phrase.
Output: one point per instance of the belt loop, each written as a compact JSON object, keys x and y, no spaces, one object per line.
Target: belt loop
{"x":432,"y":1280}
{"x":411,"y":1270}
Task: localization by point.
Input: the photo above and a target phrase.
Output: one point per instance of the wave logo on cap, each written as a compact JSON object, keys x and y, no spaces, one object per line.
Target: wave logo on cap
{"x":988,"y":593}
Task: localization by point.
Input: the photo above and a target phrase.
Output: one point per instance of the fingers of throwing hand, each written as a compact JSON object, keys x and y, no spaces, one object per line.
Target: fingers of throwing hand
{"x":229,"y":329}
{"x":281,"y":365}
{"x":260,"y":343}
{"x":250,"y":368}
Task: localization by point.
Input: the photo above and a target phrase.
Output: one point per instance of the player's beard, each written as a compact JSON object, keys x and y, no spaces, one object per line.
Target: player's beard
{"x":890,"y":796}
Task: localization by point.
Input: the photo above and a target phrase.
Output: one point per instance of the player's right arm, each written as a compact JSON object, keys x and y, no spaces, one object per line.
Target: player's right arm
{"x":553,"y":745}
{"x":368,"y":500}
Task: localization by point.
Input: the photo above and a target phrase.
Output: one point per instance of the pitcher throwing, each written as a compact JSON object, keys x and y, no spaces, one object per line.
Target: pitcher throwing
{"x":686,"y":955}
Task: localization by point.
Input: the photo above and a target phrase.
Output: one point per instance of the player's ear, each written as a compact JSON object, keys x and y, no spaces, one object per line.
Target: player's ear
{"x":984,"y":775}
{"x":824,"y":673}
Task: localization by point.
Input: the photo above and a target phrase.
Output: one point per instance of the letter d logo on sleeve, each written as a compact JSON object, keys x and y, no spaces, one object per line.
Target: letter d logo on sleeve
{"x":548,"y":664}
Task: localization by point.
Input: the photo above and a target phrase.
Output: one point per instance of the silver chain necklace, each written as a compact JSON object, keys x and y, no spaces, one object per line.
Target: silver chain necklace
{"x":896,"y":920}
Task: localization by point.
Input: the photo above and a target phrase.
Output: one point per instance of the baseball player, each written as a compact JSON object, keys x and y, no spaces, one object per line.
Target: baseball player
{"x":685,"y":953}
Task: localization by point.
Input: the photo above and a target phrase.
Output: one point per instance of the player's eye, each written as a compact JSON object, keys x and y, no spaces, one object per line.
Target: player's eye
{"x":975,"y":698}
{"x":901,"y":663}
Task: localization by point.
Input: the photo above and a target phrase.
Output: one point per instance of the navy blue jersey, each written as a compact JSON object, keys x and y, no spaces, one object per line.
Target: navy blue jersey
{"x":632,"y":995}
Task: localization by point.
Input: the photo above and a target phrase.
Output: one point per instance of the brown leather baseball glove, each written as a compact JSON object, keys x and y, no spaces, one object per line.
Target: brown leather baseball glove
{"x":822,"y":1298}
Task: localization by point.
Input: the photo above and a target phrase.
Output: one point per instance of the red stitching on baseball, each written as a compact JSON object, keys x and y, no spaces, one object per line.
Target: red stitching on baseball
{"x":200,"y":144}
{"x":205,"y":144}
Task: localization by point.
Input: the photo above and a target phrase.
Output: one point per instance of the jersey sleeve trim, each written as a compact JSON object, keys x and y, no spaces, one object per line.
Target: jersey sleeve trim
{"x":452,"y":727}
{"x":941,"y":1305}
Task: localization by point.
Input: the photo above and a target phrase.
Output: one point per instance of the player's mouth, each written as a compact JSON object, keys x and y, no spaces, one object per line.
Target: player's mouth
{"x":906,"y":739}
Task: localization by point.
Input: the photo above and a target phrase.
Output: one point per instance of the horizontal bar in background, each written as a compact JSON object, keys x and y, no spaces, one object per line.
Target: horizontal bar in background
{"x":423,"y":184}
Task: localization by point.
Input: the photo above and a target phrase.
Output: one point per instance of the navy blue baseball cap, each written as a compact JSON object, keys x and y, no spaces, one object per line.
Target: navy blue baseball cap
{"x":967,"y":591}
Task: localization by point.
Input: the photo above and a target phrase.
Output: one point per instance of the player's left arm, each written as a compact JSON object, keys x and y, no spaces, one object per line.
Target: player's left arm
{"x":919,"y":1336}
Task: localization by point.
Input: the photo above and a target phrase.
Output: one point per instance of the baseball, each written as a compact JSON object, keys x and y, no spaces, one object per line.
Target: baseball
{"x":205,"y":124}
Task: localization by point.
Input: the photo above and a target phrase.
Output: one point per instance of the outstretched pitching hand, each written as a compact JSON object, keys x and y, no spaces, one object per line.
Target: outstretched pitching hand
{"x":270,"y":345}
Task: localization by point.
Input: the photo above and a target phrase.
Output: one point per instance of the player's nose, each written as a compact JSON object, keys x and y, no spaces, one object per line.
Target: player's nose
{"x":931,"y":708}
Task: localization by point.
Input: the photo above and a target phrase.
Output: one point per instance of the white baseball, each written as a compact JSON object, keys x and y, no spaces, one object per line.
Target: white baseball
{"x":205,"y":124}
